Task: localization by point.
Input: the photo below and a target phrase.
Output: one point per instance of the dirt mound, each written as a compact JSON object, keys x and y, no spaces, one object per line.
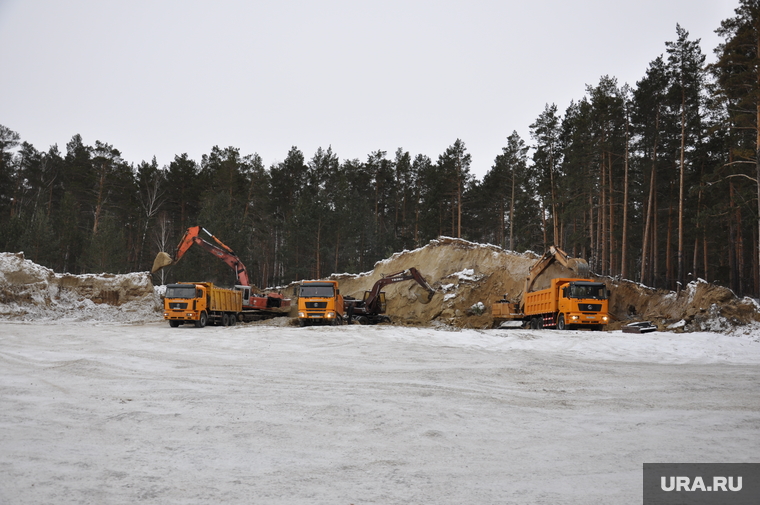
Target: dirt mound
{"x":31,"y":291}
{"x":701,"y":306}
{"x":469,"y":277}
{"x":464,"y":275}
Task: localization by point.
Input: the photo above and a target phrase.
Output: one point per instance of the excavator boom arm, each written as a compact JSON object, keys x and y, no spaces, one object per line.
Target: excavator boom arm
{"x":577,"y":265}
{"x":220,"y":250}
{"x":406,"y":275}
{"x":231,"y":259}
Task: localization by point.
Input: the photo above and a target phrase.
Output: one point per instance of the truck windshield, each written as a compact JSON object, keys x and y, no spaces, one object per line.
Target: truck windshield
{"x":180,"y":291}
{"x":587,"y":290}
{"x":317,"y":291}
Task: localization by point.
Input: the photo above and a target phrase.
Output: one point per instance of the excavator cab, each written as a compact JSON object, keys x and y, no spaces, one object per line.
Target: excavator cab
{"x":381,"y":305}
{"x":246,"y":292}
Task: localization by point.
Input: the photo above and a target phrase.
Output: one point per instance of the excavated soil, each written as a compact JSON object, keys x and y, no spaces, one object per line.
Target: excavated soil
{"x":701,"y":306}
{"x":468,"y":278}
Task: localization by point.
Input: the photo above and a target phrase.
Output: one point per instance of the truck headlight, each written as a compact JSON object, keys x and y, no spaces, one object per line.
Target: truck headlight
{"x":605,"y":318}
{"x":330,"y":314}
{"x":302,"y":314}
{"x":574,"y":318}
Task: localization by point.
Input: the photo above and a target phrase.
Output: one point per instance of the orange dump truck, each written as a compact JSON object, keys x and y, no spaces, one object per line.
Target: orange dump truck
{"x":568,"y":304}
{"x":320,"y":302}
{"x":202,"y":303}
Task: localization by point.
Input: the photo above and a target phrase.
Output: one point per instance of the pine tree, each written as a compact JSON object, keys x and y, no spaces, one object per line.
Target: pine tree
{"x":649,"y":122}
{"x":9,"y":140}
{"x":546,"y":161}
{"x":686,"y":68}
{"x":500,"y":184}
{"x":454,"y":166}
{"x":738,"y":74}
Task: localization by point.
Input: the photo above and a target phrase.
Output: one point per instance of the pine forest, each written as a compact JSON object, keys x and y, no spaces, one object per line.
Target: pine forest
{"x":658,"y":182}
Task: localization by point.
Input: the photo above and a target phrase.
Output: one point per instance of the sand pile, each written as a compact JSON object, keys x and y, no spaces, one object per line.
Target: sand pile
{"x":701,"y":306}
{"x":29,"y":291}
{"x":470,"y":277}
{"x":467,"y":277}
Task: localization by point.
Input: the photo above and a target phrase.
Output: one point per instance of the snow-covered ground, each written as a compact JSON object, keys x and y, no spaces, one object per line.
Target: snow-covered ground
{"x":102,"y":413}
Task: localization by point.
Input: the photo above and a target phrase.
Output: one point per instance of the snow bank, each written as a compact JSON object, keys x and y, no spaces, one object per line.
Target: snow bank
{"x":29,"y":291}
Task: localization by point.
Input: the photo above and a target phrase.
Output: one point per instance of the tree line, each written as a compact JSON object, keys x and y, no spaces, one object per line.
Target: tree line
{"x":656,"y":182}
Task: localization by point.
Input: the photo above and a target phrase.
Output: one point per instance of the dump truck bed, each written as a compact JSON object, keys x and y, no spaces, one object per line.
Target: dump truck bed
{"x":224,"y":300}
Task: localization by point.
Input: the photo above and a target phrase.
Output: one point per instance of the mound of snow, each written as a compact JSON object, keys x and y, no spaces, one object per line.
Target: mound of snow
{"x":29,"y":291}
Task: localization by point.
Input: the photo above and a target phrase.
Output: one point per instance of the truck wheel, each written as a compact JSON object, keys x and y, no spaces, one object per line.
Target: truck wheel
{"x":225,"y":319}
{"x":202,"y":320}
{"x":233,"y":319}
{"x":534,"y":325}
{"x":174,"y":324}
{"x":561,"y":323}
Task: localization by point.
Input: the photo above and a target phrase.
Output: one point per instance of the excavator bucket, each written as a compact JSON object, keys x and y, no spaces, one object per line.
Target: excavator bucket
{"x":423,"y":296}
{"x":162,"y":260}
{"x":579,"y":266}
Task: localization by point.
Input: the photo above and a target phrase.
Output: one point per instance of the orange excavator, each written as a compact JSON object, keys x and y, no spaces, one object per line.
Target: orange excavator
{"x":272,"y":303}
{"x":371,"y":310}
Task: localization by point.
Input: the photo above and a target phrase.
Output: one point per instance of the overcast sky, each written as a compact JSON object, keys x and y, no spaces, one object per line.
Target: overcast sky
{"x":161,"y":78}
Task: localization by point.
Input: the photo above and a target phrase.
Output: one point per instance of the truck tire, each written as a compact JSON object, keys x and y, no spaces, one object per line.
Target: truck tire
{"x":561,"y":323}
{"x":202,"y":320}
{"x":225,"y":319}
{"x":174,"y":324}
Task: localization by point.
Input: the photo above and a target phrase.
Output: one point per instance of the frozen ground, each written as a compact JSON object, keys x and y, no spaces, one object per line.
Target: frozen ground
{"x":112,"y":413}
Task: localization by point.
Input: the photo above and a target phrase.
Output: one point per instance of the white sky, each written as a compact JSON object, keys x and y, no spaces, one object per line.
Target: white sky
{"x":161,"y":78}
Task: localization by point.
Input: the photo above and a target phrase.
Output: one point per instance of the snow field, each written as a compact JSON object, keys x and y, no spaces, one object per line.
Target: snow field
{"x":269,"y":413}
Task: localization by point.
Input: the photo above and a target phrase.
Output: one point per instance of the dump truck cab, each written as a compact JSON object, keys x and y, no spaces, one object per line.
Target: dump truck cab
{"x":185,"y":302}
{"x":583,"y":304}
{"x":320,"y":302}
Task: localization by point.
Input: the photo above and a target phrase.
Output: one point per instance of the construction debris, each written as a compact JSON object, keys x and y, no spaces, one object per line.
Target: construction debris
{"x":640,"y":327}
